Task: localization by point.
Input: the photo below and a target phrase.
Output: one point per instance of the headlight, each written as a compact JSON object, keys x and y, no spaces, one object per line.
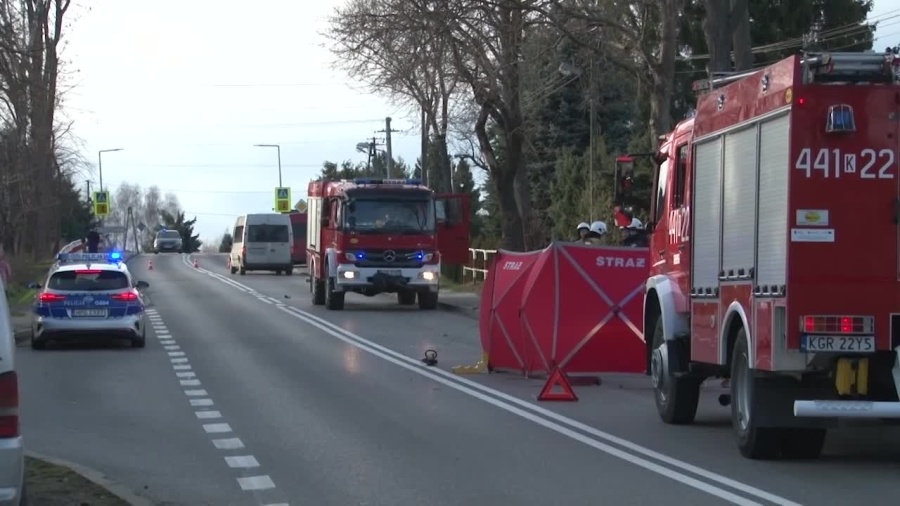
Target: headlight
{"x":351,"y":256}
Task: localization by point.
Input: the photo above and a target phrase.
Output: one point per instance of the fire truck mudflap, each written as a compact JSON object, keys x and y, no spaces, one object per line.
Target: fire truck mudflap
{"x":776,"y":252}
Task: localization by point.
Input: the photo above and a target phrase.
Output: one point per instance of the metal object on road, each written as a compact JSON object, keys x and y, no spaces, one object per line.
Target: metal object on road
{"x":430,"y":358}
{"x":149,"y":265}
{"x":480,"y":367}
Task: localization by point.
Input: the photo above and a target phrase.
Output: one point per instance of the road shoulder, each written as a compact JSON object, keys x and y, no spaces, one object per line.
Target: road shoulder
{"x":52,"y":481}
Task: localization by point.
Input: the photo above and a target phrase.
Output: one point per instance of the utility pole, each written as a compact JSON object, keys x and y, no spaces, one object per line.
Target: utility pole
{"x":387,"y":142}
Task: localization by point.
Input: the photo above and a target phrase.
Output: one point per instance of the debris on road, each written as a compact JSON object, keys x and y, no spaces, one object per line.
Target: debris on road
{"x":52,"y":485}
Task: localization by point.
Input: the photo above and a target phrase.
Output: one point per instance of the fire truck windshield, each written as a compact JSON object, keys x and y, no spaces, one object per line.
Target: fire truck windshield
{"x":407,"y":216}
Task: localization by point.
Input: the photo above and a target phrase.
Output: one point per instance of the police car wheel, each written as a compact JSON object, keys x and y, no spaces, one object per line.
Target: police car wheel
{"x":138,"y":342}
{"x":38,"y":344}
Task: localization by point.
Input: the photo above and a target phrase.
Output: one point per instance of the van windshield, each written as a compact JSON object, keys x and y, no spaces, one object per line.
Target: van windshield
{"x":88,"y":281}
{"x":268,"y":233}
{"x":403,"y":216}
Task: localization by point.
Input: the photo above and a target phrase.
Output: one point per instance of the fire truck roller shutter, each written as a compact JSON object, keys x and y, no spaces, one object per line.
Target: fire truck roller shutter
{"x":707,"y":209}
{"x":739,"y":171}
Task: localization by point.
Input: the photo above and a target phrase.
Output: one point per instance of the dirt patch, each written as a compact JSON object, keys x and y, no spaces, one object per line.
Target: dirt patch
{"x":52,"y":485}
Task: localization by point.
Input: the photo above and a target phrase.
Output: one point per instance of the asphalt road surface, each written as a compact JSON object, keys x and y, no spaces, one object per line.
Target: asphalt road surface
{"x":248,"y":395}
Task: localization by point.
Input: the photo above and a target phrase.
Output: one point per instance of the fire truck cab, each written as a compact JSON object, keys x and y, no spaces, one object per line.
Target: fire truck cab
{"x":774,"y":252}
{"x":372,"y":236}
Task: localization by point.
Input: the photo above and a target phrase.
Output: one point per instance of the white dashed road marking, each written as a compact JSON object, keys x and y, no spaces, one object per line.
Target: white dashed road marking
{"x":199,"y":398}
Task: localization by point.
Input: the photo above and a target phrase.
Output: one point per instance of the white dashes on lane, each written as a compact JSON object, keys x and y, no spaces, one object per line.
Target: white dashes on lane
{"x":220,"y":432}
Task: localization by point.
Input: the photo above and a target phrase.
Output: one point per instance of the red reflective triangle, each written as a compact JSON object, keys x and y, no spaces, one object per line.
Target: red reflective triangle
{"x":557,"y":379}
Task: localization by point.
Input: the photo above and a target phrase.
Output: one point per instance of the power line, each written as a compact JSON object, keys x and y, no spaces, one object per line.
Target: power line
{"x":219,"y":165}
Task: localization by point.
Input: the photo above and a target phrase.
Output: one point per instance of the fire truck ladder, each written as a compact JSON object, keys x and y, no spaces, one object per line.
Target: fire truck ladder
{"x":843,"y":68}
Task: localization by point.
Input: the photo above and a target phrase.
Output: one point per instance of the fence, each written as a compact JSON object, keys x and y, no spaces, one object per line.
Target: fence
{"x":478,"y":268}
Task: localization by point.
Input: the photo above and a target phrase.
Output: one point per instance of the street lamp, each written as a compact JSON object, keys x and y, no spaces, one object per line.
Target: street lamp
{"x":567,"y":69}
{"x":100,"y":162}
{"x":278,"y":147}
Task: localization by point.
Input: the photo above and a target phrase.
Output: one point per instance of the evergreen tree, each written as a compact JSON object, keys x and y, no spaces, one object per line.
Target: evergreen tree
{"x":225,"y":244}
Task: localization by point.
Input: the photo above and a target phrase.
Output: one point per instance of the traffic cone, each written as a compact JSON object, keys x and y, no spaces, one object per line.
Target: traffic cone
{"x":196,"y":265}
{"x":150,"y":265}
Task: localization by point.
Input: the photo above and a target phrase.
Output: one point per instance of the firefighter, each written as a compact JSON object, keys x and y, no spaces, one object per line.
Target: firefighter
{"x":583,"y":229}
{"x":634,"y":235}
{"x":93,"y":242}
{"x":597,"y":233}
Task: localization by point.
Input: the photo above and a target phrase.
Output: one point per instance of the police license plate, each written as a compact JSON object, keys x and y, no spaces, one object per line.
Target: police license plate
{"x":391,"y":272}
{"x":89,"y":313}
{"x":838,"y":344}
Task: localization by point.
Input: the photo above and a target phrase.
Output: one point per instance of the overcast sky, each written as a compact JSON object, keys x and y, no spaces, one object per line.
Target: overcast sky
{"x":187,"y":87}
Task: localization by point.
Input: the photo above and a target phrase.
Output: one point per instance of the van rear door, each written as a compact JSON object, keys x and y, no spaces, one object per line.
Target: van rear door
{"x":257,"y":241}
{"x":279,"y":240}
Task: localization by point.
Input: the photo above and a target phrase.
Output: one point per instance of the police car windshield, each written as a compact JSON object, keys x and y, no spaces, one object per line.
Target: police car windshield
{"x":404,"y":216}
{"x":169,"y":234}
{"x":88,"y":280}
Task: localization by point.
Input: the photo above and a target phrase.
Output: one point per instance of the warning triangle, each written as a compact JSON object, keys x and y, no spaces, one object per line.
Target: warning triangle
{"x":557,"y":379}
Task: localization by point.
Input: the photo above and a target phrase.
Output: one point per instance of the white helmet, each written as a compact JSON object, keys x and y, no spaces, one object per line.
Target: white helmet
{"x":598,"y":227}
{"x":634,"y":225}
{"x":582,"y":225}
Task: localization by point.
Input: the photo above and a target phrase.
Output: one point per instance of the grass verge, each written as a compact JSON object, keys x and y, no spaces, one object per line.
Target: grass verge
{"x":52,"y":485}
{"x":25,"y":271}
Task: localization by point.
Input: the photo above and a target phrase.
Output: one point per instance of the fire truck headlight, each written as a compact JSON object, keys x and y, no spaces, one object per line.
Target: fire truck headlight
{"x":350,"y":274}
{"x":428,"y":275}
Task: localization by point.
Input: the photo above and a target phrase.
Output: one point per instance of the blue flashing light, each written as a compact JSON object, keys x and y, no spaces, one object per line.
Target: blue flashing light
{"x":420,"y":255}
{"x":360,"y":255}
{"x":115,"y":256}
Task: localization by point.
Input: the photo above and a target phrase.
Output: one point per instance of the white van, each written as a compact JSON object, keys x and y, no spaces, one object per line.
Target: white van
{"x":12,"y":450}
{"x":262,"y":242}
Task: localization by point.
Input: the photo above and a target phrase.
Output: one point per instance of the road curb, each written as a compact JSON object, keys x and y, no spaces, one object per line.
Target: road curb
{"x":97,"y":478}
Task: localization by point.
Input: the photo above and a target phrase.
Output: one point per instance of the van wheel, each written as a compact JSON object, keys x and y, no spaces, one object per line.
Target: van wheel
{"x":754,"y":442}
{"x":278,"y":272}
{"x":317,"y":287}
{"x":289,"y":271}
{"x":333,"y":300}
{"x":676,"y":397}
{"x":428,"y":300}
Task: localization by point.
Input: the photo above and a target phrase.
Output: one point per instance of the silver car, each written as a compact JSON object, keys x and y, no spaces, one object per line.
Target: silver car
{"x":168,"y":240}
{"x":89,"y":295}
{"x":12,"y":452}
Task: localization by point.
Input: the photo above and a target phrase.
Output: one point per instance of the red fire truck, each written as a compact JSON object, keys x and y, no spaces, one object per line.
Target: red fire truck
{"x":774,"y":251}
{"x":373,"y":236}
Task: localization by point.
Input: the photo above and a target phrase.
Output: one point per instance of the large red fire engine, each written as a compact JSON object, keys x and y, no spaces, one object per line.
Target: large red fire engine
{"x":373,"y":236}
{"x":774,"y":251}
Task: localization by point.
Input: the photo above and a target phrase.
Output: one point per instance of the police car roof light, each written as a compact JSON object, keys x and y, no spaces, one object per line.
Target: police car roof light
{"x":367,"y":181}
{"x":114,"y":257}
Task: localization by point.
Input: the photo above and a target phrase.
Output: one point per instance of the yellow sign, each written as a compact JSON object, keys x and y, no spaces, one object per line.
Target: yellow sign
{"x":283,"y":199}
{"x":101,"y":203}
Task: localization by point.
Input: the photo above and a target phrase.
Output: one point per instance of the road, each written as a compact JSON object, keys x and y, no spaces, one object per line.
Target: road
{"x":248,"y":395}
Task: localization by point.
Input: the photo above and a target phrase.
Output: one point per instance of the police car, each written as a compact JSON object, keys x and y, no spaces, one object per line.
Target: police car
{"x":89,"y":295}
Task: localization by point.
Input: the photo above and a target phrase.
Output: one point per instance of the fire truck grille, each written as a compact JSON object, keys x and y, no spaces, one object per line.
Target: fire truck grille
{"x":390,"y":258}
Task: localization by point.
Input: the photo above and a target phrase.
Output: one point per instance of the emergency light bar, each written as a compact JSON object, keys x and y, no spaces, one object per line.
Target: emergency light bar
{"x":388,"y":181}
{"x":112,"y":257}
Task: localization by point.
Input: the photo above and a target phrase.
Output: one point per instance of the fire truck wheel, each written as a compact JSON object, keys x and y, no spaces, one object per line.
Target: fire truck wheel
{"x":676,"y":397}
{"x":406,"y":298}
{"x":428,"y":300}
{"x":317,"y":287}
{"x":803,"y":444}
{"x":333,"y":300}
{"x":754,"y":442}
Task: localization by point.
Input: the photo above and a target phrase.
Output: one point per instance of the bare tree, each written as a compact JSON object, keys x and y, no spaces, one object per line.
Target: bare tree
{"x":413,"y":67}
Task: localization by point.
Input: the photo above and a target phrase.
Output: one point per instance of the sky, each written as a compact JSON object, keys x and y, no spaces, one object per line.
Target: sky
{"x":186,"y":88}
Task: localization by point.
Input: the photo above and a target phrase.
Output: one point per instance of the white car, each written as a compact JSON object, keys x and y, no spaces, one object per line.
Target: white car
{"x":12,"y":451}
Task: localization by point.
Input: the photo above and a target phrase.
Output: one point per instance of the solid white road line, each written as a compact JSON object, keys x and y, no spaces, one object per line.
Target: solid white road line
{"x":242,"y":461}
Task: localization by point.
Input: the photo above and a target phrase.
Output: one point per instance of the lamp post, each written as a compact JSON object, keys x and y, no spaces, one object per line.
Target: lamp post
{"x":277,"y":147}
{"x":571,"y":70}
{"x":100,"y":162}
